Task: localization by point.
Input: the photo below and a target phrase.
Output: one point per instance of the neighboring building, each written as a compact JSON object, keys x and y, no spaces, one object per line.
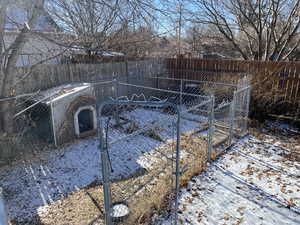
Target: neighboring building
{"x":36,"y":48}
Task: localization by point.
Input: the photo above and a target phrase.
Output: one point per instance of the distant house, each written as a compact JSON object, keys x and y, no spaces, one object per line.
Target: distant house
{"x":36,"y":47}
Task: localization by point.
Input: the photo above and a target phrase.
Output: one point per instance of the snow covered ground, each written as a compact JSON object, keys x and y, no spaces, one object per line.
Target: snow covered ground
{"x":31,"y":185}
{"x":256,"y":182}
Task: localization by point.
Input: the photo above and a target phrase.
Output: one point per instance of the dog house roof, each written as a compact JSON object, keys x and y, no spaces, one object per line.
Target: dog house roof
{"x":56,"y":93}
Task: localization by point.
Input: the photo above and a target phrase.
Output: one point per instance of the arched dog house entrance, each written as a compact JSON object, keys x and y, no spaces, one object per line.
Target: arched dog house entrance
{"x":85,"y":120}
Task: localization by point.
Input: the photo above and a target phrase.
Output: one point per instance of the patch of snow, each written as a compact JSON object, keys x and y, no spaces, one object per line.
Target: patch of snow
{"x":31,"y":185}
{"x":243,"y":187}
{"x":282,"y":126}
{"x":166,"y":121}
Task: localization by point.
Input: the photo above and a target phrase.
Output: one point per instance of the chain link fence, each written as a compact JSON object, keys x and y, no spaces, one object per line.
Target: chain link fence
{"x":152,"y":129}
{"x":155,"y":133}
{"x":149,"y":169}
{"x":230,"y":106}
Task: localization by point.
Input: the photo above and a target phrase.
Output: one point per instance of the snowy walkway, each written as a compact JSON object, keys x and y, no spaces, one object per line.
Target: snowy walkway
{"x":255,"y":183}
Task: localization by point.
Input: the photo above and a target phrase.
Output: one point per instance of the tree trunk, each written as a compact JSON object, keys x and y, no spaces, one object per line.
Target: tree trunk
{"x":7,"y":116}
{"x":8,"y":73}
{"x":8,"y":107}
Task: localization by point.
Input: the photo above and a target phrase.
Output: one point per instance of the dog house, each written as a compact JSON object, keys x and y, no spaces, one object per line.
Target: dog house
{"x":71,"y":111}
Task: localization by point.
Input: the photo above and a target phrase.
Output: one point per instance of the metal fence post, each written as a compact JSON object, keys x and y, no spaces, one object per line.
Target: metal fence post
{"x":232,"y":115}
{"x":211,"y":128}
{"x":181,"y":90}
{"x":116,"y":95}
{"x":3,"y":213}
{"x":105,"y":171}
{"x":53,"y":122}
{"x":247,"y":107}
{"x":178,"y":173}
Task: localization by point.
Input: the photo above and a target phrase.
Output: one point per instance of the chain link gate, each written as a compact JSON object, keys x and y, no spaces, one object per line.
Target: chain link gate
{"x":150,"y":171}
{"x":241,"y":101}
{"x":229,"y":116}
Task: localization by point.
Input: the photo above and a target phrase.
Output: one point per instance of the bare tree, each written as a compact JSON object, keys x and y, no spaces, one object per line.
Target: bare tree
{"x":134,"y":40}
{"x":9,"y":56}
{"x":90,"y":21}
{"x":257,"y":29}
{"x":96,"y":22}
{"x":205,"y":40}
{"x":20,"y":35}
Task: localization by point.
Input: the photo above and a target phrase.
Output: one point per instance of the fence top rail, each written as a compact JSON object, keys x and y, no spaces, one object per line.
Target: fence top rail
{"x":148,"y":103}
{"x":223,"y":106}
{"x":197,"y":81}
{"x":164,"y":90}
{"x":102,"y":82}
{"x":243,"y":89}
{"x":233,"y":61}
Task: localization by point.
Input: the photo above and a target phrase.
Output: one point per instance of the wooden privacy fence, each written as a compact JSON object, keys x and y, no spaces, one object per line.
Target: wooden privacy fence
{"x":232,"y":66}
{"x":285,"y":75}
{"x":48,"y":76}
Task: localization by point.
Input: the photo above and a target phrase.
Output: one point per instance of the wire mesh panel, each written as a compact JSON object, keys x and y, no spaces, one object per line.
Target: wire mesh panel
{"x":223,"y":106}
{"x":222,"y":127}
{"x":223,"y":92}
{"x":141,"y":130}
{"x":32,"y":130}
{"x":140,"y":158}
{"x":241,"y":109}
{"x":143,"y":126}
{"x":191,"y":93}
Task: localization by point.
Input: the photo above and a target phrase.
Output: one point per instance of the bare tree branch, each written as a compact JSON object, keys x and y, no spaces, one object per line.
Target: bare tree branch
{"x":257,"y":29}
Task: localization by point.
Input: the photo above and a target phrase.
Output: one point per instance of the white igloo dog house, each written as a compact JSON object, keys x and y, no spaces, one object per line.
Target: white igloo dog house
{"x":71,"y":111}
